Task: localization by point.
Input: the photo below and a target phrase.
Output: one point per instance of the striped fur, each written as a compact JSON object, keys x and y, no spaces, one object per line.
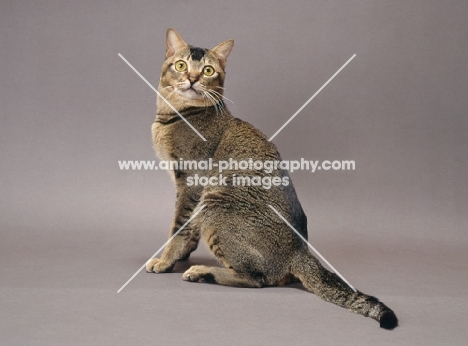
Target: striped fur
{"x":256,"y":248}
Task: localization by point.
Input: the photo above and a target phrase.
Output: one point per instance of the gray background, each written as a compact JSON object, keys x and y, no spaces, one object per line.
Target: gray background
{"x":74,"y":227}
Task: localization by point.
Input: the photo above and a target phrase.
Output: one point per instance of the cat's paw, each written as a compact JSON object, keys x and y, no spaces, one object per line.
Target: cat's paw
{"x":198,"y":274}
{"x":156,"y":265}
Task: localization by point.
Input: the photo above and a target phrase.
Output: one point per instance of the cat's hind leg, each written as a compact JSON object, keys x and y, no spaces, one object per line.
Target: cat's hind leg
{"x":222,"y":276}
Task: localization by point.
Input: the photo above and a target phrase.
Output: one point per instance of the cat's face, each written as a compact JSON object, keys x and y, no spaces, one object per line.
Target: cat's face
{"x":193,"y":76}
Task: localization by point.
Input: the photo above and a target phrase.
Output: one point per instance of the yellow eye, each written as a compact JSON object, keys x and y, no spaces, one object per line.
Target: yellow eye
{"x":208,"y":70}
{"x":180,"y":66}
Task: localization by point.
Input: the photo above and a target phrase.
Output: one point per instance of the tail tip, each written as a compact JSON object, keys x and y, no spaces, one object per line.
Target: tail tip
{"x":388,"y":320}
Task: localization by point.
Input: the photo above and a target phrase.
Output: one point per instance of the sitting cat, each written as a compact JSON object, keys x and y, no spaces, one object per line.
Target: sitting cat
{"x":255,"y":246}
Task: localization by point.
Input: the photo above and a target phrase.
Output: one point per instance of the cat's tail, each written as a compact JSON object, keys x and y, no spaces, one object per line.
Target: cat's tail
{"x":331,"y":288}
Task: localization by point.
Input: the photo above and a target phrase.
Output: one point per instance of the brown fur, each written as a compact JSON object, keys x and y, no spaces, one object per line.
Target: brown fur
{"x":255,"y":246}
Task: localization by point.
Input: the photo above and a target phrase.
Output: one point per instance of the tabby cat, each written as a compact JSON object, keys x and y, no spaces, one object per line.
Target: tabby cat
{"x":255,"y":246}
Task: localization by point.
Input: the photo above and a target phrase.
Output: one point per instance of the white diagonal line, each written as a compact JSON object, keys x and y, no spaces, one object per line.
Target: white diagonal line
{"x":162,"y":247}
{"x":314,"y":249}
{"x":162,"y":97}
{"x":313,"y":96}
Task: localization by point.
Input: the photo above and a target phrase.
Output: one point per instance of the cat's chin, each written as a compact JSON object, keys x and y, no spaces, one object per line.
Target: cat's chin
{"x":190,"y":94}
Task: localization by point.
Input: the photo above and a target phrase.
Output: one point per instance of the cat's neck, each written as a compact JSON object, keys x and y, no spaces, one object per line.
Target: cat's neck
{"x":170,"y":117}
{"x":167,"y":114}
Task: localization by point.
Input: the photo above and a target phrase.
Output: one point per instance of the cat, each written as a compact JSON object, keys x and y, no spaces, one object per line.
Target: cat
{"x":255,"y":246}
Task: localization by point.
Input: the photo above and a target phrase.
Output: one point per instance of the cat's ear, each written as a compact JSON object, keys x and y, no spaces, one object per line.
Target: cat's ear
{"x":222,"y":50}
{"x":173,"y":42}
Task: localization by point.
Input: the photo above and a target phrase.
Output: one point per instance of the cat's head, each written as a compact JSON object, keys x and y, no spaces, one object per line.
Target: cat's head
{"x":192,"y":76}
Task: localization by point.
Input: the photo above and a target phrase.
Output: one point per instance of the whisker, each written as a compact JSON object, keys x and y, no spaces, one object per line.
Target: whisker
{"x":217,"y":103}
{"x":214,"y":98}
{"x":205,"y":99}
{"x":211,"y":98}
{"x":217,"y":93}
{"x":224,"y":97}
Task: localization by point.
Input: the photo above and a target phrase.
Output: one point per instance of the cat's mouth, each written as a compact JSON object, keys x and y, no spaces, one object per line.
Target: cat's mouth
{"x":190,"y":92}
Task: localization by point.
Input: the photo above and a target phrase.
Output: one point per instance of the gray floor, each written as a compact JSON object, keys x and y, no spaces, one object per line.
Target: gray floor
{"x":74,"y":228}
{"x":62,"y":289}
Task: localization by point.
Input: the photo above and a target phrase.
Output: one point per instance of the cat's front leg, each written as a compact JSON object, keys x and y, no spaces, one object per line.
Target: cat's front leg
{"x":186,"y":241}
{"x":179,"y":248}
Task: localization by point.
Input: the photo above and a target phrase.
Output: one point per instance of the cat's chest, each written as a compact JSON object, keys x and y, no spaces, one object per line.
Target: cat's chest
{"x":178,"y":141}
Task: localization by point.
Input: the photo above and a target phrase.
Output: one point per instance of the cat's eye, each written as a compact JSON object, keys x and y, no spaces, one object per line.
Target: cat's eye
{"x":180,"y":66}
{"x":208,"y":70}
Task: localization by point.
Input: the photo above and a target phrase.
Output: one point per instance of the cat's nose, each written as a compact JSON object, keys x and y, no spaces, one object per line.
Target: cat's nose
{"x":193,"y":77}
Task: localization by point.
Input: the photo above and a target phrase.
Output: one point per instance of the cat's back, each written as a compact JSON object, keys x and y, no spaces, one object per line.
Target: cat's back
{"x":240,"y":140}
{"x":253,"y":175}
